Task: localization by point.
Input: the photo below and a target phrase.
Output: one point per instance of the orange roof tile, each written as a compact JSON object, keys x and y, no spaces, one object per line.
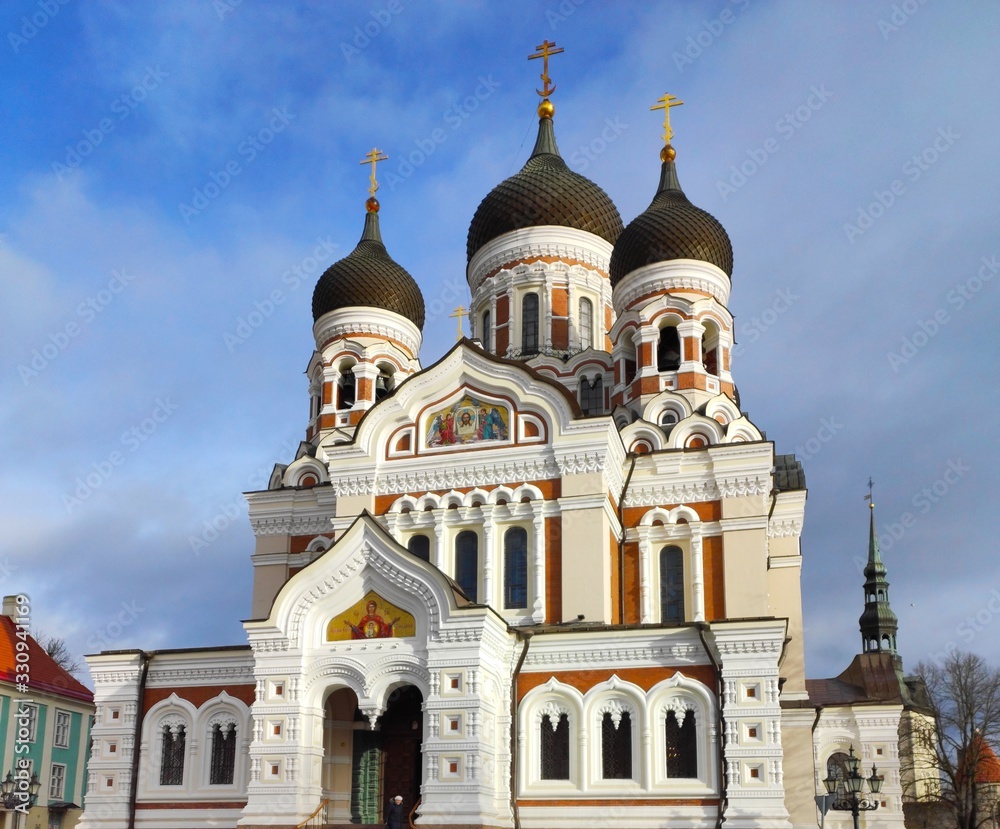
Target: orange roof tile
{"x":44,"y":673}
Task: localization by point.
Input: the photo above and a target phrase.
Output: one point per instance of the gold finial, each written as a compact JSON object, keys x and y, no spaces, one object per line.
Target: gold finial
{"x":373,"y":158}
{"x":545,"y":50}
{"x":461,"y":311}
{"x":668,"y":153}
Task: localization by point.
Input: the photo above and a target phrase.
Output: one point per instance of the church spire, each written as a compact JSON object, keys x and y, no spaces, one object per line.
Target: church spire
{"x":878,"y":622}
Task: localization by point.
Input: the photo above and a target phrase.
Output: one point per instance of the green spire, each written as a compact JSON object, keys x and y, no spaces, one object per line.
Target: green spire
{"x":878,"y":622}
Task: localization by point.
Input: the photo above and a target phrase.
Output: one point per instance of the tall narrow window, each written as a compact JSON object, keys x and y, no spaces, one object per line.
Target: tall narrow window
{"x":485,"y":334}
{"x":616,"y":747}
{"x":668,"y":350}
{"x":60,"y":737}
{"x":682,"y":746}
{"x":57,"y":781}
{"x":467,"y":563}
{"x":345,"y":386}
{"x":172,"y":755}
{"x":223,"y":754}
{"x":631,"y":356}
{"x":672,"y":584}
{"x":529,"y":324}
{"x":554,"y":743}
{"x":710,"y":349}
{"x":385,"y":382}
{"x":515,"y":568}
{"x":592,"y":396}
{"x":420,"y":546}
{"x":586,"y":324}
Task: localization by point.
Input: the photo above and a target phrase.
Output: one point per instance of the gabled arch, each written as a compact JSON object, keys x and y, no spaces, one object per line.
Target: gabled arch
{"x":696,"y":426}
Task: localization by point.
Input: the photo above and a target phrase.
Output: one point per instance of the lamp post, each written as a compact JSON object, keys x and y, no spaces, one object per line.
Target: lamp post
{"x":847,"y":794}
{"x":13,"y":794}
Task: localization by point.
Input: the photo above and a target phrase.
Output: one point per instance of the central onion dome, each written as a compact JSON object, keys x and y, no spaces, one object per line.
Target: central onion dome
{"x":369,"y":276}
{"x":671,"y":228}
{"x":544,"y":192}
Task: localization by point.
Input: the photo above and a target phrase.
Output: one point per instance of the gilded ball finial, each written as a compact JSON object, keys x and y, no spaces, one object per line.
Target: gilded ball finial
{"x":668,"y":153}
{"x":372,"y":205}
{"x":546,"y":109}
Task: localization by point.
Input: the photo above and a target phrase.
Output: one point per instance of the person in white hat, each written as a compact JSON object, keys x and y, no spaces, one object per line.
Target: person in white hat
{"x":394,"y":817}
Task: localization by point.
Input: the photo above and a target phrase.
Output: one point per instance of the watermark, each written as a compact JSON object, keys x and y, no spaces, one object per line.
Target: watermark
{"x":762,"y":322}
{"x":248,"y":149}
{"x":913,"y":170}
{"x":87,"y":311}
{"x":223,"y":8}
{"x":971,"y":626}
{"x":363,"y":36}
{"x":213,"y":527}
{"x":122,"y":106}
{"x":293,"y":278}
{"x":453,"y":288}
{"x":584,"y":156}
{"x":454,"y":117}
{"x":31,"y":26}
{"x":710,"y":31}
{"x":786,"y":126}
{"x":899,"y":16}
{"x":828,"y":429}
{"x":958,"y":297}
{"x":22,"y":651}
{"x":131,"y":439}
{"x":923,"y":501}
{"x":562,"y":12}
{"x":106,"y":635}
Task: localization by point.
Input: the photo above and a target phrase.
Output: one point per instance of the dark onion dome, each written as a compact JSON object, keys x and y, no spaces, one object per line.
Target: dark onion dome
{"x":544,"y":192}
{"x":671,"y":228}
{"x":369,"y":276}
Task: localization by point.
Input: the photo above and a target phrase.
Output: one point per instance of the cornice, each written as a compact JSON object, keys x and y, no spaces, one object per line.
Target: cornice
{"x":376,"y":322}
{"x":291,"y":524}
{"x":677,"y":275}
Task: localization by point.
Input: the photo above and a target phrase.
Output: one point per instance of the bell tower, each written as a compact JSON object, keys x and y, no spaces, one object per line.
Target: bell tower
{"x":878,"y":622}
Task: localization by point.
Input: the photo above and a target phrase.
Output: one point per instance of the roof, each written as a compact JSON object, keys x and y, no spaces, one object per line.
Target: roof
{"x":544,"y":192}
{"x":987,"y":766}
{"x":788,"y":473}
{"x":369,"y":277}
{"x":671,"y":228}
{"x":870,"y":678}
{"x":44,"y":674}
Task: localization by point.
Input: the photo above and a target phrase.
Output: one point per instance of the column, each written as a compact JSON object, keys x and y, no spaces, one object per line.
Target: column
{"x":697,"y":579}
{"x":538,"y":607}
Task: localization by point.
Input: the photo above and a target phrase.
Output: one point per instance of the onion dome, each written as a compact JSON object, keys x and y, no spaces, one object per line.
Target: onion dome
{"x":671,"y":228}
{"x":369,"y":276}
{"x":544,"y":192}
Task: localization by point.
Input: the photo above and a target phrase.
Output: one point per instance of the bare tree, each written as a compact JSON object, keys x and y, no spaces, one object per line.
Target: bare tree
{"x":57,"y":648}
{"x":945,"y":742}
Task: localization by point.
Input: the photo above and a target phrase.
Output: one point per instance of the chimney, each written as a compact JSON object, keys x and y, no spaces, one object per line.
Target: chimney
{"x":10,"y":607}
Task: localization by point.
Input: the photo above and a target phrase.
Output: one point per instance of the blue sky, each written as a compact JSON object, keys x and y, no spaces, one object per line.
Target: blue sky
{"x":177,"y":175}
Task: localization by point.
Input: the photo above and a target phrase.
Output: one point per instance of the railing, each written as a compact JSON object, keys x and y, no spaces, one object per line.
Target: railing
{"x":413,"y":812}
{"x":316,"y":819}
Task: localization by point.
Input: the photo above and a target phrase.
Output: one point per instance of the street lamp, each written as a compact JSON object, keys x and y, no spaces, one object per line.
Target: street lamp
{"x":847,"y":793}
{"x":12,"y":794}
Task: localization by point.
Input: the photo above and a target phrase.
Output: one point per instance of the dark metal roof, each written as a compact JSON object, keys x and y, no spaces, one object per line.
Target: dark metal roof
{"x":671,"y":228}
{"x":788,"y":474}
{"x":369,"y":276}
{"x":871,"y":677}
{"x":544,"y":192}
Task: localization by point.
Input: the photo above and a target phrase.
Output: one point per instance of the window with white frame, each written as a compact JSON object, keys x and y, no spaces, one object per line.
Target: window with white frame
{"x":681,"y":743}
{"x":553,"y":742}
{"x":173,"y":744}
{"x":672,"y":584}
{"x":592,"y":395}
{"x":515,"y":568}
{"x":27,"y":722}
{"x":586,"y":323}
{"x":57,"y":781}
{"x":616,"y":745}
{"x":529,"y":324}
{"x":467,"y":563}
{"x":60,"y":735}
{"x":223,"y":764}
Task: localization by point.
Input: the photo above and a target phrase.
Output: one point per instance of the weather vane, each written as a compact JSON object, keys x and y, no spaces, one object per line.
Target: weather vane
{"x":373,"y":158}
{"x":870,"y":496}
{"x":665,"y":103}
{"x":545,"y":49}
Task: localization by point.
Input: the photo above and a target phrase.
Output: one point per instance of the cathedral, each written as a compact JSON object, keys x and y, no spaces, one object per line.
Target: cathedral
{"x":550,"y":580}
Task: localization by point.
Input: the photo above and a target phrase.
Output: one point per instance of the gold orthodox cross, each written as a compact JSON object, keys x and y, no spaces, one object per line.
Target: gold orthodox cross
{"x":373,"y":158}
{"x":460,"y":312}
{"x":544,"y":51}
{"x":665,"y":103}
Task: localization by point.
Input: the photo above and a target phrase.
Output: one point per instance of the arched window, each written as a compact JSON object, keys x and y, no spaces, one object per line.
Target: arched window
{"x":529,"y":324}
{"x":616,"y":747}
{"x":485,"y":334}
{"x":586,"y":324}
{"x":592,"y":395}
{"x":631,"y":358}
{"x":345,"y":386}
{"x":554,"y":748}
{"x":467,"y":563}
{"x":172,"y":754}
{"x":837,"y":768}
{"x":515,"y":568}
{"x":420,"y":546}
{"x":672,"y":584}
{"x":682,"y":745}
{"x":710,"y":349}
{"x":385,"y":382}
{"x":668,"y":350}
{"x":223,"y":754}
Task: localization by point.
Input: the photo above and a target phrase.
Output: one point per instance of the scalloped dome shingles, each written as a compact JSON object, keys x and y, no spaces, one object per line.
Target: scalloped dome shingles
{"x":369,"y":276}
{"x":544,"y":192}
{"x":671,"y":228}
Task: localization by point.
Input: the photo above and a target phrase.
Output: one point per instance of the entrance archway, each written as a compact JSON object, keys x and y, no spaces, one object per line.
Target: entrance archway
{"x":364,"y":768}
